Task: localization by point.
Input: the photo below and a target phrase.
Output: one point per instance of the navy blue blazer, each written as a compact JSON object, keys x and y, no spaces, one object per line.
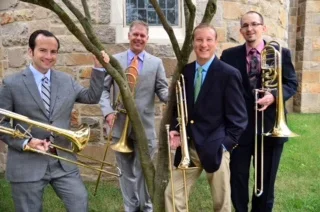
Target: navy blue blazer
{"x":217,"y":117}
{"x":236,"y":57}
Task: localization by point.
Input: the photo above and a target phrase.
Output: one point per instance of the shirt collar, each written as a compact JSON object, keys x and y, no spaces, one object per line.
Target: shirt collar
{"x":259,"y":48}
{"x":131,"y":55}
{"x":206,"y":66}
{"x":38,"y":75}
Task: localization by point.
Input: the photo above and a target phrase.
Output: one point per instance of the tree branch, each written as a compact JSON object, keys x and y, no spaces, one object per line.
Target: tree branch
{"x":211,"y":9}
{"x":86,"y":10}
{"x":167,"y":28}
{"x":51,"y":5}
{"x":91,"y":35}
{"x":189,"y":23}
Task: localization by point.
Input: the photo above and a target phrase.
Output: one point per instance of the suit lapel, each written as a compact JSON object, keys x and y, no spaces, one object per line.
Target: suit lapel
{"x":242,"y":66}
{"x":123,"y":60}
{"x":189,"y":74}
{"x":33,"y":89}
{"x":146,"y":61}
{"x":207,"y":83}
{"x":55,"y":84}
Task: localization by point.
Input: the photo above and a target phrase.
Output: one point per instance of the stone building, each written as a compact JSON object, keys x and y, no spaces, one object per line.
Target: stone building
{"x":295,"y":23}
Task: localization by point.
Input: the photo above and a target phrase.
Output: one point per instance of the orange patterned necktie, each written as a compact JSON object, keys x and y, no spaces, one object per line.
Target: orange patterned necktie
{"x":135,"y":62}
{"x":133,"y":71}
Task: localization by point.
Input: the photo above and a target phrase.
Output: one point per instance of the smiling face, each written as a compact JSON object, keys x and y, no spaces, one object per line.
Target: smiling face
{"x":204,"y":44}
{"x":138,"y":37}
{"x":252,"y":29}
{"x":45,"y":53}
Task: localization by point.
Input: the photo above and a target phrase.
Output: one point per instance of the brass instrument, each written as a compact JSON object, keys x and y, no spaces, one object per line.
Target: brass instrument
{"x":271,"y":69}
{"x":170,"y":167}
{"x":79,"y":138}
{"x":182,"y":122}
{"x":122,"y":144}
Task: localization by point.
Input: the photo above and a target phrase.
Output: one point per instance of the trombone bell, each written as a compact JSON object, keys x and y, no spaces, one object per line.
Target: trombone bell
{"x":122,"y":144}
{"x":281,"y":130}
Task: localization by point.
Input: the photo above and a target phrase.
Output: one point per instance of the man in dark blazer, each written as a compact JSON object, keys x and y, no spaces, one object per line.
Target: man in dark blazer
{"x":252,"y":29}
{"x":217,"y":117}
{"x":47,"y":96}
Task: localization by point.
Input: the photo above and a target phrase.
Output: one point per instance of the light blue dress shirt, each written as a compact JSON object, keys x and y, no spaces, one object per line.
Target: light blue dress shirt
{"x":205,"y":69}
{"x":140,"y":59}
{"x":38,"y":77}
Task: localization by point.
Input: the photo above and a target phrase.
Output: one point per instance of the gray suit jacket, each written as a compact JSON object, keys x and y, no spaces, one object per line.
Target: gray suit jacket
{"x":20,"y":94}
{"x":151,"y":80}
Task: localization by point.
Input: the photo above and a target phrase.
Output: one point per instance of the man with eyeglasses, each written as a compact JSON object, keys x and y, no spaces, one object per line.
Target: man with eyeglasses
{"x":246,"y":58}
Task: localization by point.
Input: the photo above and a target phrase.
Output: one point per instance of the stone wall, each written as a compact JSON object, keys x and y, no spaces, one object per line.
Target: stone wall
{"x":282,"y":18}
{"x":308,"y":56}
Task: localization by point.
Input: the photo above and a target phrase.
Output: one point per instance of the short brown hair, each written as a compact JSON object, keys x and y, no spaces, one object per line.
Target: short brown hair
{"x":138,"y":22}
{"x":204,"y":25}
{"x":253,"y":12}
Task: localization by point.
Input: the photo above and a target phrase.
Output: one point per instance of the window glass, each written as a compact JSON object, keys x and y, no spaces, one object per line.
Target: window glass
{"x":144,"y":11}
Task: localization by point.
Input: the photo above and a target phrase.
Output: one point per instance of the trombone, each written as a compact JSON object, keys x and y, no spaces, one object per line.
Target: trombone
{"x":271,"y":69}
{"x":122,"y":144}
{"x":182,"y":122}
{"x":79,"y":139}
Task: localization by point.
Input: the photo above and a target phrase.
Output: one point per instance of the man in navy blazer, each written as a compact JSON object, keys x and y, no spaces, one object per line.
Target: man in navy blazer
{"x":252,"y":29}
{"x":217,"y":117}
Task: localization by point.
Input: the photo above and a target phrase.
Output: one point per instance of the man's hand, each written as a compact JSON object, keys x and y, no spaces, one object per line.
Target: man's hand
{"x":106,"y":59}
{"x":110,"y":119}
{"x":42,"y":145}
{"x":266,"y":100}
{"x":175,"y":140}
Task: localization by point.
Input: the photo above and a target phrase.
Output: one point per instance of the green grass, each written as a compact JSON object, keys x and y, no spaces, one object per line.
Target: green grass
{"x":297,"y":185}
{"x":298,"y":181}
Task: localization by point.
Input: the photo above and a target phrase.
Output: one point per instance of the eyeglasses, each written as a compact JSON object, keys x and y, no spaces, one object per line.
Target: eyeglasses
{"x":253,"y":25}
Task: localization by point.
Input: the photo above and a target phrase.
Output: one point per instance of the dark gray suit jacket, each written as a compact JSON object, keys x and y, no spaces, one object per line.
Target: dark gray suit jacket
{"x":20,"y":94}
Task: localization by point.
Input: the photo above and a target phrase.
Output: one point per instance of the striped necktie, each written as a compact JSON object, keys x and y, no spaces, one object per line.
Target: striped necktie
{"x":45,"y":94}
{"x":198,"y":83}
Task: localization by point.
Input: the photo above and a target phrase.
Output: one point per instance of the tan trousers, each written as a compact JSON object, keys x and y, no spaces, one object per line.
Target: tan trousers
{"x":219,"y":182}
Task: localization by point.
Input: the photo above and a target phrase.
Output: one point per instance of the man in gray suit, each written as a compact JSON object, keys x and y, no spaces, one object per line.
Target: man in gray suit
{"x":151,"y":80}
{"x":48,"y":96}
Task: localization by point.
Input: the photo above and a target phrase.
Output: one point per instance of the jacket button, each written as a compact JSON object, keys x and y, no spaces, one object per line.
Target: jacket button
{"x":235,"y":146}
{"x":191,"y":122}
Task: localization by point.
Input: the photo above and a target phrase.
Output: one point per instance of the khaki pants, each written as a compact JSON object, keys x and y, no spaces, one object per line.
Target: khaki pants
{"x":219,"y":182}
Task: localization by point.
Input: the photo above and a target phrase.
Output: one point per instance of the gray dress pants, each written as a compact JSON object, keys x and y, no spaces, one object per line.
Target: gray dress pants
{"x":69,"y":187}
{"x":132,"y":182}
